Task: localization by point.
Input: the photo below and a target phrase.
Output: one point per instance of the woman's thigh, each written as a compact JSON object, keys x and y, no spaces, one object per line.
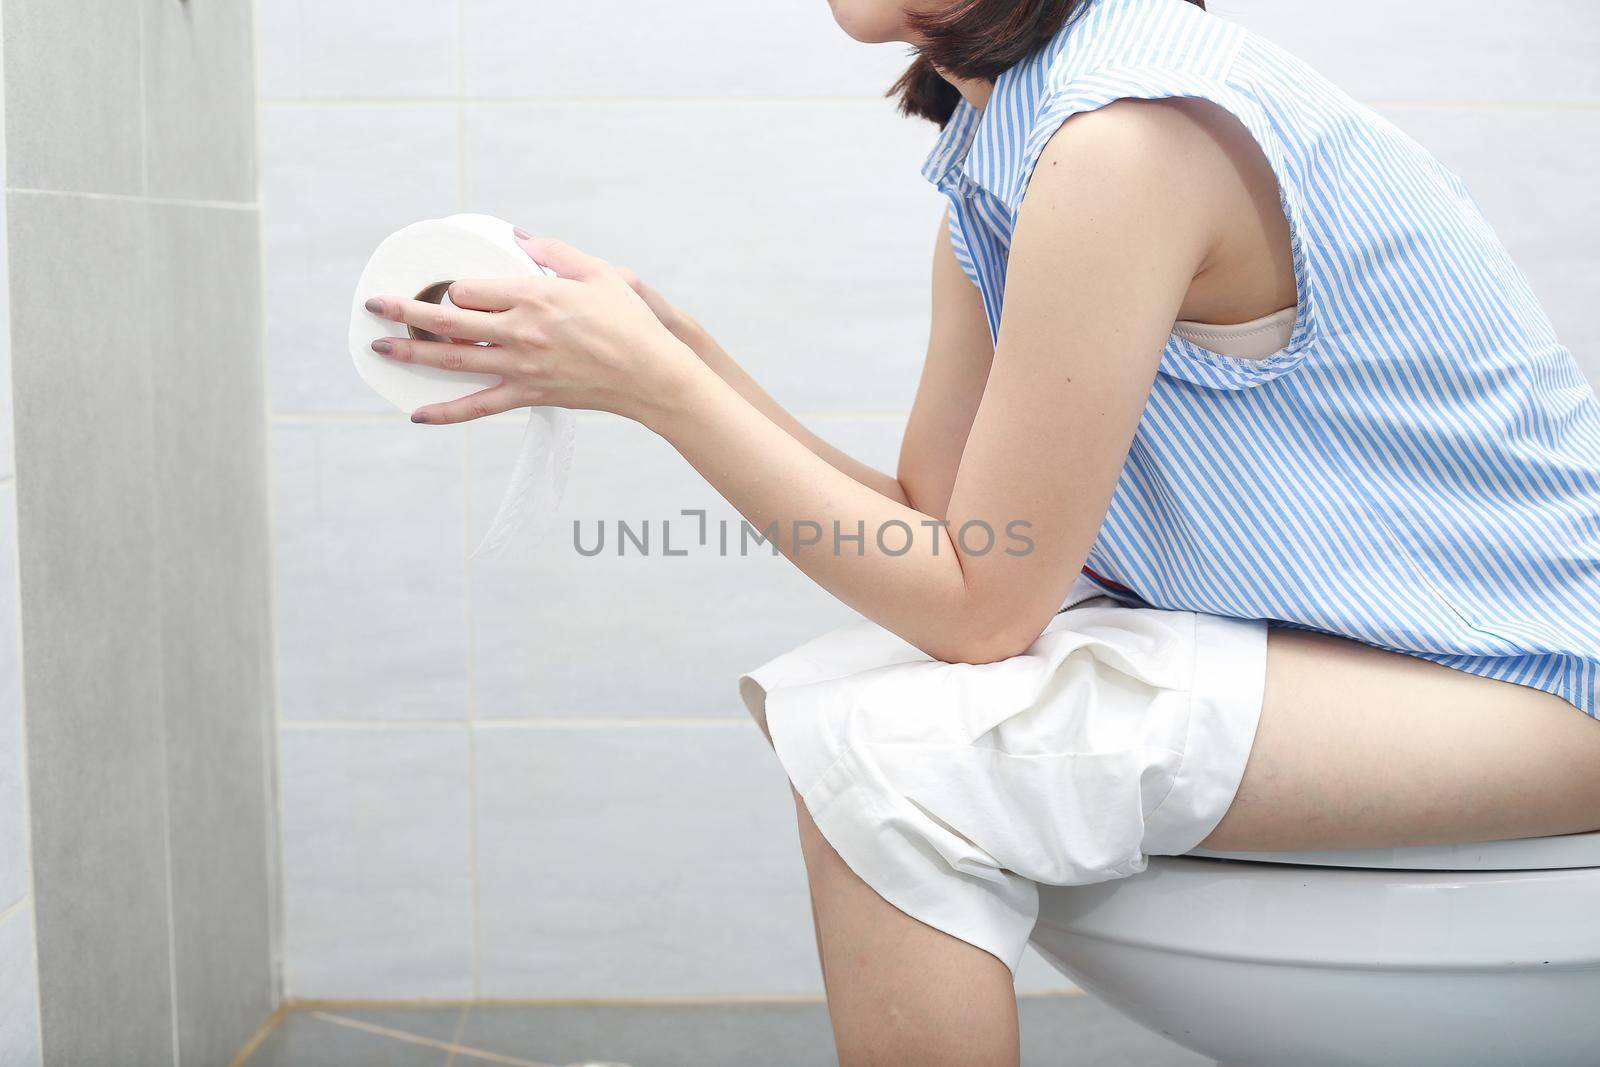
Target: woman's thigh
{"x":1362,"y":747}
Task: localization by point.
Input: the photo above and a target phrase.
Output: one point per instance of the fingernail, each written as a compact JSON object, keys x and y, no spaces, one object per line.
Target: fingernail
{"x":382,"y":347}
{"x":417,"y":416}
{"x":522,"y":235}
{"x":375,"y":306}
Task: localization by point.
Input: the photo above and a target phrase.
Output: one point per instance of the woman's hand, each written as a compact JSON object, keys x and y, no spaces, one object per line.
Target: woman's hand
{"x":665,"y":311}
{"x":585,"y":339}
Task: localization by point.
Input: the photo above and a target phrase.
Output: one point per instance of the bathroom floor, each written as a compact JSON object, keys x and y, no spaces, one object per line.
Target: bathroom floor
{"x":1057,"y":1030}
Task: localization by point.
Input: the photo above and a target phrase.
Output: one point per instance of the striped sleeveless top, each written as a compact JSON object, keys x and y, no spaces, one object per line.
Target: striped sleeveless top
{"x":1418,"y":468}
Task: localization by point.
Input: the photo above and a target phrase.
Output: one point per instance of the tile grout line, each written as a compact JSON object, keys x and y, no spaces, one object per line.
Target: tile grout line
{"x":161,"y":685}
{"x":380,"y":418}
{"x":332,"y":102}
{"x":598,"y":721}
{"x":461,"y":1028}
{"x":312,"y":1005}
{"x":259,"y":1038}
{"x":473,"y":903}
{"x":271,"y":792}
{"x":429,"y":1042}
{"x":1542,"y":104}
{"x":130,"y":198}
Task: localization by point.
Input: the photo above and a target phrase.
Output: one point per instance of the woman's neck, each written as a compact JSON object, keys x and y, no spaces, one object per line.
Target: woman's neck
{"x":975,"y":91}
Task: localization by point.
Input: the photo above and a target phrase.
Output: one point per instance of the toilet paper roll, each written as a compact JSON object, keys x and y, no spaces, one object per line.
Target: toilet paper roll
{"x":421,"y":260}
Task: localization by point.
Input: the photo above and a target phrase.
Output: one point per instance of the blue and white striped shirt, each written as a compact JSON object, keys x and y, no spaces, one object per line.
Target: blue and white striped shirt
{"x":1419,"y":468}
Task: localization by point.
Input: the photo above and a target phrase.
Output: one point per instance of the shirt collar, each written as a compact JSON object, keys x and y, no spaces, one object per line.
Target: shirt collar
{"x":975,"y":147}
{"x":943,"y":165}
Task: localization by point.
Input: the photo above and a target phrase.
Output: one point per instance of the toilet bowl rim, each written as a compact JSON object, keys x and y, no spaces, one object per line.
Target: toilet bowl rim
{"x":1562,"y":851}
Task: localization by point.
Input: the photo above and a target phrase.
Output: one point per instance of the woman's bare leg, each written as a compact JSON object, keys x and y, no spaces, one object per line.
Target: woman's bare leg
{"x":901,"y":993}
{"x":1362,"y":747}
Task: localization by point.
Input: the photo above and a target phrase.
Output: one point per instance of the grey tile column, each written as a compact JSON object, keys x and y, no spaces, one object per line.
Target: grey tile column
{"x":141,"y":529}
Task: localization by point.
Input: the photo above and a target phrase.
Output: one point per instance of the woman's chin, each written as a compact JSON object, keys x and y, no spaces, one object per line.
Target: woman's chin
{"x":869,"y":21}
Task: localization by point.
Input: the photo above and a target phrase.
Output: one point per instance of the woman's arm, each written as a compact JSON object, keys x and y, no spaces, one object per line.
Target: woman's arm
{"x":699,"y":341}
{"x":1112,"y":231}
{"x":957,"y":363}
{"x":960,"y":352}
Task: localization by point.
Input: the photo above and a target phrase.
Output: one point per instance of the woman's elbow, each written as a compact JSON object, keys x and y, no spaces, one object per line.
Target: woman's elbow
{"x":982,"y":644}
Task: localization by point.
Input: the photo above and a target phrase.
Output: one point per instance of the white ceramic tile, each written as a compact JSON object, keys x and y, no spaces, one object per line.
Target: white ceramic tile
{"x":216,"y":635}
{"x":337,"y":180}
{"x":800,"y":234}
{"x":321,"y":49}
{"x":199,"y":100}
{"x":14,"y":876}
{"x":370,"y":574}
{"x":556,"y":632}
{"x":1438,"y":49}
{"x":376,"y":862}
{"x":19,"y":991}
{"x":1532,"y":172}
{"x":639,"y":861}
{"x":73,"y":116}
{"x":613,"y":48}
{"x":91,"y":614}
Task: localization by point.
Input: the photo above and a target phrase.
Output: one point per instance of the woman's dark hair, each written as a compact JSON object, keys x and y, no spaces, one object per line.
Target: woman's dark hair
{"x":974,"y":39}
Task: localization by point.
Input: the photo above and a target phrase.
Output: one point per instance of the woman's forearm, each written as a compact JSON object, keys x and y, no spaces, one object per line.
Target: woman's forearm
{"x":846,"y":536}
{"x":714,"y":356}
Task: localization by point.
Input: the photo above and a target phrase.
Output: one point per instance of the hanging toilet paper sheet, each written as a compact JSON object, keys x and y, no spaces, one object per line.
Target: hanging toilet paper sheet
{"x":421,"y":260}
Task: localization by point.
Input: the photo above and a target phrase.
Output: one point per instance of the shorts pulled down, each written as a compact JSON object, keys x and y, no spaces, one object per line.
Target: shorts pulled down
{"x":954,"y":789}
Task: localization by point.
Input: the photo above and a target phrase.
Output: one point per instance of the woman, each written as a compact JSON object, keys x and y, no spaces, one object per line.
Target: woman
{"x":1248,"y":501}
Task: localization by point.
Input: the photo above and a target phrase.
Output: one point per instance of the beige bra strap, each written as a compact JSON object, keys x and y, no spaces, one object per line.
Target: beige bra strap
{"x":1255,"y":339}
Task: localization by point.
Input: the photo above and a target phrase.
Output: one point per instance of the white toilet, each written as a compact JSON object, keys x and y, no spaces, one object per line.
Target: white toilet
{"x":1486,"y":953}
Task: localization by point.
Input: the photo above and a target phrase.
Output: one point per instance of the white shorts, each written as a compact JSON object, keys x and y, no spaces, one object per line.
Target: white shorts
{"x":953,"y":788}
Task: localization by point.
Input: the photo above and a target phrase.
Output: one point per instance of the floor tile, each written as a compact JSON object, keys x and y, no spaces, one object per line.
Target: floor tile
{"x":313,"y":1039}
{"x":1058,"y":1031}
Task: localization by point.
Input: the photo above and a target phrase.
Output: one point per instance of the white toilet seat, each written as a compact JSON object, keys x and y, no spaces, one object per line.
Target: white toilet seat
{"x":1562,"y":852}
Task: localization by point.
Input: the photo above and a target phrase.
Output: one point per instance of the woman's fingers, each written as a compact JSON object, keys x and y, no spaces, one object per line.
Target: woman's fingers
{"x":490,"y":401}
{"x":561,"y":257}
{"x":484,"y":359}
{"x":487,"y":294}
{"x":440,"y":320}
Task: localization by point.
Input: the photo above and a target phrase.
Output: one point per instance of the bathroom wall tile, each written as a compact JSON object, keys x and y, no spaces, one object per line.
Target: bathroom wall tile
{"x":199,"y":100}
{"x":14,"y":875}
{"x":7,"y":451}
{"x":73,"y":119}
{"x":369,"y":562}
{"x":335,"y":181}
{"x":322,"y":49}
{"x":1437,"y":49}
{"x":639,"y":861}
{"x":1532,"y":172}
{"x":377,"y":862}
{"x":19,"y":991}
{"x":210,"y":484}
{"x":555,"y":632}
{"x":90,"y":609}
{"x":614,"y":48}
{"x":799,"y":233}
